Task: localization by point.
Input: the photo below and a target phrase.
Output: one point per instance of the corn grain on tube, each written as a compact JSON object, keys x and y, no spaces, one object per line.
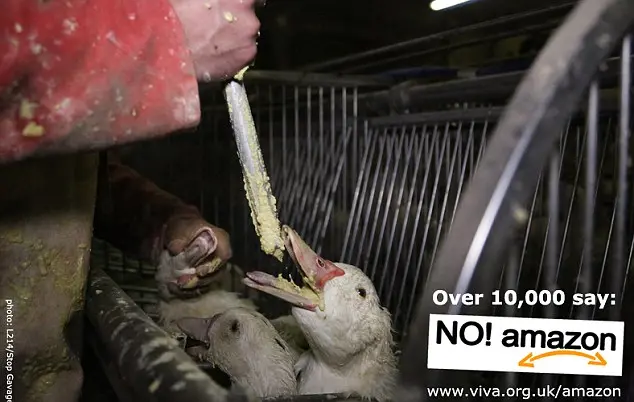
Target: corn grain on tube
{"x":256,"y":181}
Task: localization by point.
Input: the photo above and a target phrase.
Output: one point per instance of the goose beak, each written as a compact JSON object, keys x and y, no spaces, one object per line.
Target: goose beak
{"x":316,"y":273}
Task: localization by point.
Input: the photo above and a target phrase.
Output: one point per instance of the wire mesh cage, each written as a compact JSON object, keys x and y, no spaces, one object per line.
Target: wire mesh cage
{"x":394,"y":181}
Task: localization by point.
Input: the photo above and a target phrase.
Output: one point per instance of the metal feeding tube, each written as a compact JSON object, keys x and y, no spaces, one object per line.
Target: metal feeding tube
{"x":256,"y":180}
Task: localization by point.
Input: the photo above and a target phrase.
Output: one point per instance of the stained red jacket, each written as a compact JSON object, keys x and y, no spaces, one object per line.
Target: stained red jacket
{"x":85,"y":74}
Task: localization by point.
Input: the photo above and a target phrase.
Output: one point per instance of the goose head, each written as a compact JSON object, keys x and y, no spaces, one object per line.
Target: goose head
{"x":245,"y":345}
{"x":339,"y":310}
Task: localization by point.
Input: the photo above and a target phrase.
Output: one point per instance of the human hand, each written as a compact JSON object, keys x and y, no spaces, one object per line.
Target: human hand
{"x":221,"y":35}
{"x":191,"y":252}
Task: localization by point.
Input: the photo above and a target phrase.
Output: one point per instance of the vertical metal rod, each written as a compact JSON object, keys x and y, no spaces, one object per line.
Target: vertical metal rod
{"x":355,"y":144}
{"x":439,"y":150}
{"x":346,"y":162}
{"x":309,"y":123}
{"x":296,"y":126}
{"x":552,"y":249}
{"x":461,"y":164}
{"x":418,"y":214}
{"x":527,"y":233}
{"x":510,"y":280}
{"x":550,"y":278}
{"x":284,"y":121}
{"x":620,"y":271}
{"x":443,"y":208}
{"x":585,"y":275}
{"x":333,"y":187}
{"x":590,"y":186}
{"x":578,"y":149}
{"x":394,"y":152}
{"x":333,"y":132}
{"x":418,"y":146}
{"x":357,"y":202}
{"x":327,"y":192}
{"x":546,"y":243}
{"x":409,"y":145}
{"x":370,"y":199}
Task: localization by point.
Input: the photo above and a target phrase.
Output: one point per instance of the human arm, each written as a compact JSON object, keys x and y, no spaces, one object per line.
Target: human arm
{"x":141,"y":219}
{"x":78,"y":75}
{"x":88,"y":74}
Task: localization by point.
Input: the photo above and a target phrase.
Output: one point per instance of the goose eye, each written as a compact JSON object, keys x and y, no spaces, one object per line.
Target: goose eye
{"x":320,"y":263}
{"x":235,"y":326}
{"x":361,"y":292}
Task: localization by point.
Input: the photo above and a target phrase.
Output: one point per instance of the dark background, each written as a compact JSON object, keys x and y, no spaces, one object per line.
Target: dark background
{"x":296,"y":33}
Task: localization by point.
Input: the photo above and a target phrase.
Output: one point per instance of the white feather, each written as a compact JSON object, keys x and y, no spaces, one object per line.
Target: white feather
{"x":351,"y":341}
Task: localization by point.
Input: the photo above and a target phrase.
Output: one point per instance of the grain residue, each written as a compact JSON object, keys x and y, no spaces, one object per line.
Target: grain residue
{"x":27,"y":109}
{"x":33,"y":130}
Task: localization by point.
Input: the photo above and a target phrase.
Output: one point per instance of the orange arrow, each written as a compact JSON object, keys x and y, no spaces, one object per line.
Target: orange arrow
{"x":596,"y":360}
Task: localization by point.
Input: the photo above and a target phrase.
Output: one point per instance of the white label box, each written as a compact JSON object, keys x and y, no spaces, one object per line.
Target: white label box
{"x":531,"y":345}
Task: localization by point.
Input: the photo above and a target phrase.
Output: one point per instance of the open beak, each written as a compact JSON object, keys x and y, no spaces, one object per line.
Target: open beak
{"x":315,"y":270}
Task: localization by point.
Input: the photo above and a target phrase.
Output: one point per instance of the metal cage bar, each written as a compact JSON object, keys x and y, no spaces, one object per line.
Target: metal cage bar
{"x":142,"y":352}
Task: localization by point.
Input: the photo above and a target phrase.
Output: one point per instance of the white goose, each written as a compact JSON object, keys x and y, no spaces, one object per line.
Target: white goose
{"x":204,"y":306}
{"x":290,"y":331}
{"x":244,"y":345}
{"x":175,"y":270}
{"x":348,"y":330}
